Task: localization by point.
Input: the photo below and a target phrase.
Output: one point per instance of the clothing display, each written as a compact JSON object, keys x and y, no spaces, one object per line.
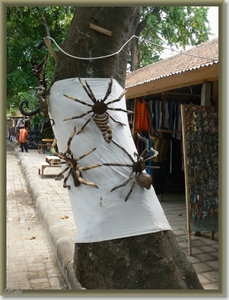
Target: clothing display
{"x":161,"y":145}
{"x":161,"y":113}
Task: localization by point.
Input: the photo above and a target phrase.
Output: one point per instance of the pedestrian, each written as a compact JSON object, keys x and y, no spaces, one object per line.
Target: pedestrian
{"x":22,"y":138}
{"x":161,"y":141}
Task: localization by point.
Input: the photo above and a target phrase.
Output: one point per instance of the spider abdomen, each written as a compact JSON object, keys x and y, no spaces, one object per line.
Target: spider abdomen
{"x":75,"y":175}
{"x":102,"y":122}
{"x":144,"y":179}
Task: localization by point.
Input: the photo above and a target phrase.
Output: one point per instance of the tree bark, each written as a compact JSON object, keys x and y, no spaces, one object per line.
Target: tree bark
{"x":151,"y":261}
{"x":82,"y":41}
{"x":135,"y":51}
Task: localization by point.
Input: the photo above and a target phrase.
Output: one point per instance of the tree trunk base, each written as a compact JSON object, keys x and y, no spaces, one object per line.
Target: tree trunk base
{"x":150,"y":261}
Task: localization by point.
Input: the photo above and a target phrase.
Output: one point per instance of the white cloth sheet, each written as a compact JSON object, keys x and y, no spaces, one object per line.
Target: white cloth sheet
{"x":100,"y":214}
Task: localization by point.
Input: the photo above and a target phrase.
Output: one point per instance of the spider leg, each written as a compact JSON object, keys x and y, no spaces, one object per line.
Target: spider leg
{"x":89,"y":167}
{"x":131,"y":189}
{"x":61,"y":155}
{"x":77,"y":100}
{"x":118,"y":99}
{"x":120,"y":109}
{"x":69,"y":152}
{"x":66,"y":178}
{"x":57,"y":163}
{"x":124,"y":150}
{"x":108,"y":90}
{"x":85,"y":154}
{"x":144,"y":153}
{"x":119,"y":165}
{"x":70,"y":139}
{"x":116,"y":121}
{"x":88,"y":90}
{"x":81,"y":180}
{"x":52,"y":148}
{"x":61,"y":173}
{"x":154,"y":155}
{"x":85,"y":124}
{"x":123,"y":184}
{"x":77,"y":117}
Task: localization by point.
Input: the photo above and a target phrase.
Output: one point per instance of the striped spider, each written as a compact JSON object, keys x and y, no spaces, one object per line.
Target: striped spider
{"x":99,"y":110}
{"x":143,"y":179}
{"x":72,"y":164}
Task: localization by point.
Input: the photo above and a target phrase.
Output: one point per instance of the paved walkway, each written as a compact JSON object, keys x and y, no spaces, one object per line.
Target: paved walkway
{"x":54,"y":210}
{"x":204,"y":250}
{"x":31,"y":264}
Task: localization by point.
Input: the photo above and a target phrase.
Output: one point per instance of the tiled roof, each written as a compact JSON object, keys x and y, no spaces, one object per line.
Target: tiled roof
{"x":200,"y":56}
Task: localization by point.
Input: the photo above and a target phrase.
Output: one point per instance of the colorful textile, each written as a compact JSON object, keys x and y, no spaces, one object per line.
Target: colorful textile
{"x":141,"y":116}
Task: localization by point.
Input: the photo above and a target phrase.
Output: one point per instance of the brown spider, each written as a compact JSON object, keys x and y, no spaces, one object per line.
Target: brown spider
{"x":99,"y":109}
{"x":72,"y":164}
{"x":143,"y":179}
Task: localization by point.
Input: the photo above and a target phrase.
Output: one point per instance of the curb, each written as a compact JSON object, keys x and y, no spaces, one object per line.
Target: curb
{"x":61,"y":244}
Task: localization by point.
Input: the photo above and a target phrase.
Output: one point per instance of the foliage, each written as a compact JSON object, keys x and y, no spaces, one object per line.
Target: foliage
{"x":176,"y":26}
{"x":171,"y":26}
{"x":25,"y":29}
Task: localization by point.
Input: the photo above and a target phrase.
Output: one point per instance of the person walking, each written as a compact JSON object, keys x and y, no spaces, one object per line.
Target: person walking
{"x":161,"y":140}
{"x":22,"y":138}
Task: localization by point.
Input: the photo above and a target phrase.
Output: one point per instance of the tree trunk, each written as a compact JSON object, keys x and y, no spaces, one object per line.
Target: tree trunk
{"x":149,"y":261}
{"x":82,"y":41}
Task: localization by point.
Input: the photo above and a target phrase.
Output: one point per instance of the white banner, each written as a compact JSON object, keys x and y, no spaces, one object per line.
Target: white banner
{"x":99,"y":213}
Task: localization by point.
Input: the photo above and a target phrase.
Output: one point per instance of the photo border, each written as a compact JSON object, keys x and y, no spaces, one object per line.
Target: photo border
{"x":222,"y":155}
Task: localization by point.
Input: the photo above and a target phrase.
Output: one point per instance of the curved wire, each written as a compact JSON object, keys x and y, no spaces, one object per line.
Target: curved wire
{"x":117,"y":52}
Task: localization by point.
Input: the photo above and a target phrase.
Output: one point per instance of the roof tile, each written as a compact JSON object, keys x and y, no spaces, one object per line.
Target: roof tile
{"x":196,"y":57}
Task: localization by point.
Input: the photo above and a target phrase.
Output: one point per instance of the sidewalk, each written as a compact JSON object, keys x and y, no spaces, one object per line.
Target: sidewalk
{"x":54,"y":210}
{"x":204,"y":250}
{"x":30,"y":262}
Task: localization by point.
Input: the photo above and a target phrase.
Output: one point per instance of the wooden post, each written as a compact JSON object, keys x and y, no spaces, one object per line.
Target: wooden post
{"x":206,"y":94}
{"x":186,"y":178}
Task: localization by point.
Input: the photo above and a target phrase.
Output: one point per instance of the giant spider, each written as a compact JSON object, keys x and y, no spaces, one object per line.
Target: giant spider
{"x":143,"y":179}
{"x":72,"y":164}
{"x":99,"y":109}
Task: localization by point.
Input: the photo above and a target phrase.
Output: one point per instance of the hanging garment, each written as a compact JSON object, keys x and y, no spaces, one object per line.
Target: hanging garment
{"x":165,"y":114}
{"x":171,"y":114}
{"x":150,"y":108}
{"x":161,"y":145}
{"x":141,"y":117}
{"x":149,"y":163}
{"x":175,"y":119}
{"x":156,"y":114}
{"x":178,"y":135}
{"x":160,"y":114}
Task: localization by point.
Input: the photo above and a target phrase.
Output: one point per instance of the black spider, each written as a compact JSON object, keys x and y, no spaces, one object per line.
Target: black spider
{"x":143,"y":179}
{"x":99,"y":110}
